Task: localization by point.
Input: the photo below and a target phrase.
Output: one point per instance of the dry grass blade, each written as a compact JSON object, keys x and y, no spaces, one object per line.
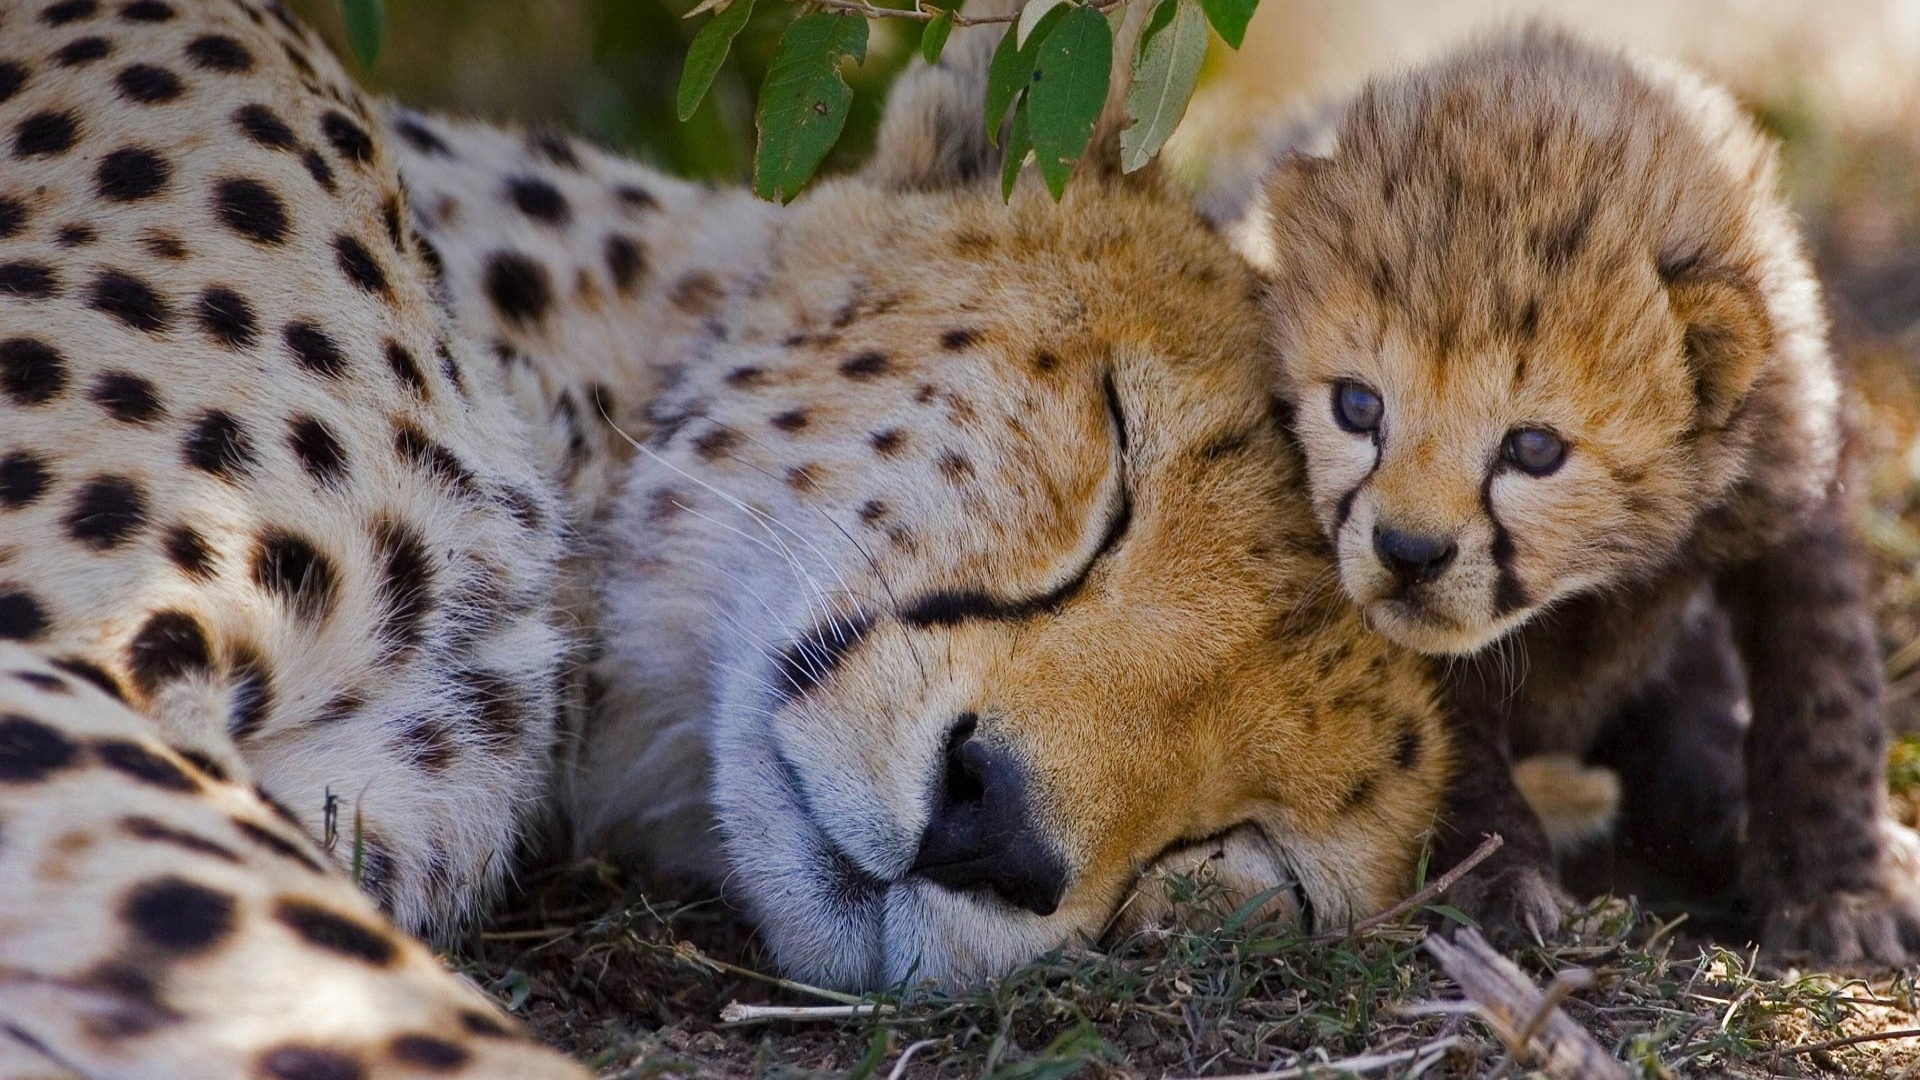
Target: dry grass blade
{"x":1417,"y":1060}
{"x":1434,"y":890}
{"x":1526,"y":1018}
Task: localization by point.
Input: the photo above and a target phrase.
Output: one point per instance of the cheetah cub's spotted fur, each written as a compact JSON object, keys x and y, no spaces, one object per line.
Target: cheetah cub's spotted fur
{"x":953,"y":577}
{"x":1559,"y":369}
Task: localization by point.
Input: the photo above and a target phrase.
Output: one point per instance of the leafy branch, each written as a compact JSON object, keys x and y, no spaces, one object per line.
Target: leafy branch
{"x":1046,"y":87}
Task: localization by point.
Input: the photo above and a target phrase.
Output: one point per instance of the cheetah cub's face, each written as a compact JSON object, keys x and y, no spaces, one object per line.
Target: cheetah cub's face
{"x":1518,"y":310}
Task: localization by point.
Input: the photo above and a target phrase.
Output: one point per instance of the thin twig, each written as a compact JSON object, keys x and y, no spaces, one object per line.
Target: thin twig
{"x":916,"y":14}
{"x":1433,"y":891}
{"x":692,"y":955}
{"x":900,"y":1067}
{"x":1418,"y":1059}
{"x":737,"y":1014}
{"x":1851,"y":1040}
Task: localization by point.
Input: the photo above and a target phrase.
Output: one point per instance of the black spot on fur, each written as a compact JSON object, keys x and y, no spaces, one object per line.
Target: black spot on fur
{"x":277,"y":844}
{"x":249,"y":208}
{"x":106,"y":511}
{"x":406,"y":582}
{"x":553,"y":149}
{"x":428,"y":1052}
{"x":264,"y":126}
{"x":92,"y":673}
{"x":626,"y":261}
{"x":43,"y":682}
{"x":310,"y":1063}
{"x":30,"y":750}
{"x":131,"y":759}
{"x":169,"y":645}
{"x":22,"y":618}
{"x":1406,"y":749}
{"x":406,"y":369}
{"x":28,"y":279}
{"x":349,"y":139}
{"x":715,"y":443}
{"x":864,"y":366}
{"x":148,"y":85}
{"x":417,"y":449}
{"x":131,"y":173}
{"x":1359,"y":794}
{"x":82,"y":51}
{"x":251,"y":700}
{"x":75,"y":235}
{"x":227,"y":318}
{"x":46,"y":134}
{"x":127,"y":398}
{"x":146,"y":11}
{"x":315,"y":349}
{"x":218,"y":52}
{"x":32,"y":372}
{"x":318,"y":168}
{"x":635,"y":198}
{"x":539,"y":200}
{"x":420,"y":137}
{"x":359,"y":265}
{"x":791,"y":420}
{"x":336,"y":933}
{"x":141,"y":827}
{"x":131,"y":300}
{"x":318,"y":450}
{"x":178,"y":915}
{"x":23,"y":479}
{"x":189,"y":551}
{"x":13,"y":216}
{"x":519,"y":288}
{"x":219,"y":444}
{"x":12,"y":77}
{"x":954,"y":340}
{"x":69,"y":11}
{"x":296,"y":572}
{"x":479,"y":1023}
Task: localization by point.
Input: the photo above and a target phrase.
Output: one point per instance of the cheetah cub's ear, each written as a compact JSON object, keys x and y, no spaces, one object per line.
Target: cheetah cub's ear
{"x":1726,"y":336}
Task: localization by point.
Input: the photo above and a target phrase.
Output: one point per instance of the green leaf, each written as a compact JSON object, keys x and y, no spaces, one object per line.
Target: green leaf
{"x":804,"y":101}
{"x":1031,"y":16}
{"x":934,"y":37}
{"x":1161,"y":18}
{"x":1250,"y":907}
{"x":1163,"y":81}
{"x":363,"y":19}
{"x":708,"y":52}
{"x":1229,"y":18}
{"x":1448,"y":911}
{"x":1069,"y":85}
{"x":1019,"y":148}
{"x":1011,"y":69}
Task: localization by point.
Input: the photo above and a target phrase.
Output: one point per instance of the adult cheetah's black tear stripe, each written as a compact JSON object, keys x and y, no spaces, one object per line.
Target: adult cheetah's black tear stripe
{"x":950,"y":607}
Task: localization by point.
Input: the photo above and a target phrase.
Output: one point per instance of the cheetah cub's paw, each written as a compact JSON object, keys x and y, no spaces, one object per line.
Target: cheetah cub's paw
{"x":1878,"y":926}
{"x":1516,"y":904}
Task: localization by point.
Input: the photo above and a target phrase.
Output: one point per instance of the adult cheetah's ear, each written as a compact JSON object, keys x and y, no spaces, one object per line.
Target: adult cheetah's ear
{"x":932,"y":135}
{"x":1725,"y":336}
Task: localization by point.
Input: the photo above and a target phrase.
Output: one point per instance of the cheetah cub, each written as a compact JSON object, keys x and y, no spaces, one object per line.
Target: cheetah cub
{"x":1558,"y":365}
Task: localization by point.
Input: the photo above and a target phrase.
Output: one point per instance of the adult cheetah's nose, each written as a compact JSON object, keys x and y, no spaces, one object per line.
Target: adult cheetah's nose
{"x":1414,"y":559}
{"x":980,"y":835}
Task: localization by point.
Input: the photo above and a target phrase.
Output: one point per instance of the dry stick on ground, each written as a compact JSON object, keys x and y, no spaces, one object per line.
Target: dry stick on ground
{"x":1850,"y":1040}
{"x":1428,"y":895}
{"x":1417,"y":1060}
{"x":736,"y":1014}
{"x":1526,"y":1019}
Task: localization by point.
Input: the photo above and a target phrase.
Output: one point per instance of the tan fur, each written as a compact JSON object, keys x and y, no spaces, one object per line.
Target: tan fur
{"x":1538,"y":234}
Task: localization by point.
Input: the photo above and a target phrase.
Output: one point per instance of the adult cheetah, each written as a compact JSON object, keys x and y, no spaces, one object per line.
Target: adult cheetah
{"x":958,"y":570}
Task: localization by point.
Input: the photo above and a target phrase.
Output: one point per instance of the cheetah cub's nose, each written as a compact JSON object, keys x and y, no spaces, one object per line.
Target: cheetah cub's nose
{"x":981,"y":834}
{"x":1414,"y":559}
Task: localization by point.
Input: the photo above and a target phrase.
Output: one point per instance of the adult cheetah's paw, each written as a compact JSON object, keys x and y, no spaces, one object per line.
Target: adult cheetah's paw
{"x":1516,"y":904}
{"x":1878,"y":926}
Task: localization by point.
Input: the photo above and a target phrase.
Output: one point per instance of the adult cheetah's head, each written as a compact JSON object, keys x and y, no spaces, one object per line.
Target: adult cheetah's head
{"x":974,"y":556}
{"x":1528,"y":312}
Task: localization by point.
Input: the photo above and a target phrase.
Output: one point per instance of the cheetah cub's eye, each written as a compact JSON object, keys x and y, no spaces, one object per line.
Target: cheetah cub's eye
{"x":1357,"y":408}
{"x":1534,"y":451}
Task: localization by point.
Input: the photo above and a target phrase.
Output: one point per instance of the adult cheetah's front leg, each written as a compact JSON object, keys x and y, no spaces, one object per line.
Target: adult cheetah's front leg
{"x":1829,"y":872}
{"x":157,"y":922}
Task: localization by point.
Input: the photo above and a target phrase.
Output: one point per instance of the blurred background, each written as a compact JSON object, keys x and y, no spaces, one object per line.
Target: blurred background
{"x":1837,"y":80}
